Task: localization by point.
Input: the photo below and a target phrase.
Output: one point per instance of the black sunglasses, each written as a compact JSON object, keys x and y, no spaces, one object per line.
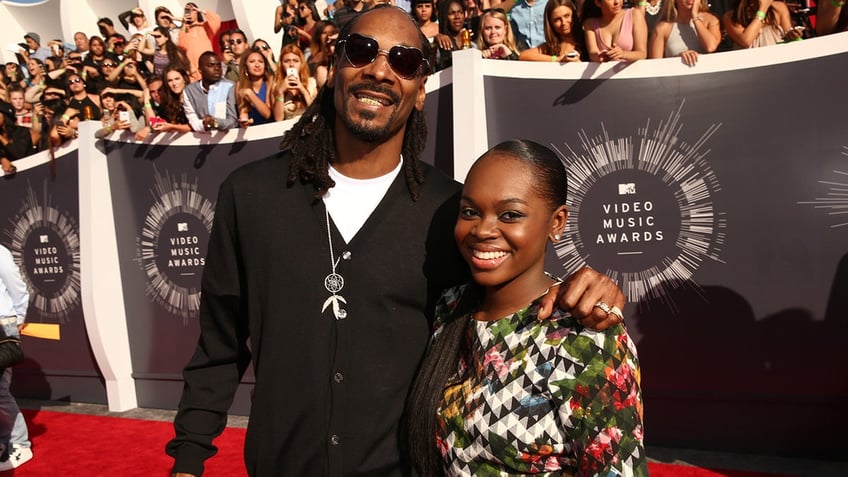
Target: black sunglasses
{"x":108,"y":65}
{"x":361,"y":50}
{"x":74,"y":81}
{"x":237,"y":41}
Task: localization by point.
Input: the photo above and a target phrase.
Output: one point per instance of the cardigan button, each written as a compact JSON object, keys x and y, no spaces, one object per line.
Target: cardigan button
{"x":334,"y":440}
{"x":338,"y":377}
{"x":346,"y":255}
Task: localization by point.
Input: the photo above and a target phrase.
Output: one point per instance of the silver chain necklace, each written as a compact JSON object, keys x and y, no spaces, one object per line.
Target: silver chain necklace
{"x":333,"y":282}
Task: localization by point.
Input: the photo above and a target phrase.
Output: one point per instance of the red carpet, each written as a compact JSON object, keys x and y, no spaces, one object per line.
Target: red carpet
{"x":84,"y":445}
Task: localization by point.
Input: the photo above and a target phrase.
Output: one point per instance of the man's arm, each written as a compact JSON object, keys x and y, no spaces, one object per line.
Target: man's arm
{"x":221,"y":357}
{"x":583,"y":294}
{"x":10,"y":275}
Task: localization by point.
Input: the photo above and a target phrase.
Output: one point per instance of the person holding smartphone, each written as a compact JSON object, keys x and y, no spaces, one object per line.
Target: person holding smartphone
{"x":563,"y":35}
{"x":294,"y":88}
{"x":199,"y":27}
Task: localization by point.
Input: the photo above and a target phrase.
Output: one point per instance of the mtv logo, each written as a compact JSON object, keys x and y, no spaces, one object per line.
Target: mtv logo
{"x":625,"y":189}
{"x":43,"y":238}
{"x":182,"y":227}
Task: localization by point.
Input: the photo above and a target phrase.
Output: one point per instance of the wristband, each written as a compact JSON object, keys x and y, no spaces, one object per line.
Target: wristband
{"x":280,"y":98}
{"x":148,"y":106}
{"x":66,"y":118}
{"x":553,"y":58}
{"x":761,"y":15}
{"x":643,"y":3}
{"x":837,"y":4}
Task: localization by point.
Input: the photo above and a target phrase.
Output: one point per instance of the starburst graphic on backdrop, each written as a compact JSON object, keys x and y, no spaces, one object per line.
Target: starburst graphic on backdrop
{"x":177,"y":205}
{"x":44,"y":242}
{"x":680,"y":171}
{"x":835,"y":200}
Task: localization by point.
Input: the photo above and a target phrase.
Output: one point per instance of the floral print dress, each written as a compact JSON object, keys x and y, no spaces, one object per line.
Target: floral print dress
{"x":540,"y":397}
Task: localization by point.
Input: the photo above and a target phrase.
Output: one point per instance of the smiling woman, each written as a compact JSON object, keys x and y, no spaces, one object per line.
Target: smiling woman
{"x":501,"y":392}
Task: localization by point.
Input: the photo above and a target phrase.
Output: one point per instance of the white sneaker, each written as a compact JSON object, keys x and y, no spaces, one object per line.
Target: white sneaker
{"x":17,"y":457}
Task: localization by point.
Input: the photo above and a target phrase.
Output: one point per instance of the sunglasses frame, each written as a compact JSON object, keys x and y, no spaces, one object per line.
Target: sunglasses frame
{"x":395,"y":49}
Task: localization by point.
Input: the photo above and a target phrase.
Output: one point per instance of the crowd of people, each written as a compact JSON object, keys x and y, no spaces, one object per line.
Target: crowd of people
{"x":182,"y":73}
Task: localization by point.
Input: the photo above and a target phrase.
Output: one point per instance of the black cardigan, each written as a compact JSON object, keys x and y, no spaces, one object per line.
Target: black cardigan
{"x":329,"y":393}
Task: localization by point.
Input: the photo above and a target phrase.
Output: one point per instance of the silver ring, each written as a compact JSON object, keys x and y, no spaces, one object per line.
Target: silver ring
{"x":603,"y":306}
{"x":617,"y":312}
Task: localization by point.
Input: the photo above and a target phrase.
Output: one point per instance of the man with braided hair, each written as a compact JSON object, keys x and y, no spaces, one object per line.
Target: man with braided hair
{"x":328,"y":258}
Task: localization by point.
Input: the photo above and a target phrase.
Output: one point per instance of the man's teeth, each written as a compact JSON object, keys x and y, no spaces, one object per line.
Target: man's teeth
{"x":370,"y":101}
{"x":488,"y":255}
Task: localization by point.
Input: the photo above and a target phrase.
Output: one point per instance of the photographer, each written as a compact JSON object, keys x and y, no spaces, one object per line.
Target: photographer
{"x":284,"y":17}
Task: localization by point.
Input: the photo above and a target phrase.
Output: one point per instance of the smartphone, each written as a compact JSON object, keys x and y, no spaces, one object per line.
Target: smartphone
{"x":156,"y":120}
{"x":572,"y":54}
{"x":292,"y":72}
{"x":123,"y":116}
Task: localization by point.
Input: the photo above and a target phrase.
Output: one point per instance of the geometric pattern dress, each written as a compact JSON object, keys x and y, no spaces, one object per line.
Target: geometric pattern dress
{"x":534,"y":397}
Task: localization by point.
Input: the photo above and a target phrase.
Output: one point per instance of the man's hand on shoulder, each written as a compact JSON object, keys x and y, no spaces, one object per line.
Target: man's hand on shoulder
{"x":591,"y":297}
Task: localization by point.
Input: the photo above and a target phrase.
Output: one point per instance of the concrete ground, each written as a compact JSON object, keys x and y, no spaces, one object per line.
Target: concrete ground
{"x":714,"y":460}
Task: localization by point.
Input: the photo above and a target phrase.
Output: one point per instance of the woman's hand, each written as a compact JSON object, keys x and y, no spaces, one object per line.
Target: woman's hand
{"x":689,"y":57}
{"x":613,"y":54}
{"x":765,"y":5}
{"x":497,"y":51}
{"x":445,"y":42}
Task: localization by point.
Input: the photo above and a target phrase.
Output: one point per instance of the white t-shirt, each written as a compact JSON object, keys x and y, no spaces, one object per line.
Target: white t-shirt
{"x":352,"y":201}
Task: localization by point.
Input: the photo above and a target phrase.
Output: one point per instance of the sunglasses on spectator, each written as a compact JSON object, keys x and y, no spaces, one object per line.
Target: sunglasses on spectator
{"x":74,"y":59}
{"x":118,"y":43}
{"x":74,"y":81}
{"x":157,"y":36}
{"x":108,"y":65}
{"x":361,"y":50}
{"x":265,"y":47}
{"x":237,"y":41}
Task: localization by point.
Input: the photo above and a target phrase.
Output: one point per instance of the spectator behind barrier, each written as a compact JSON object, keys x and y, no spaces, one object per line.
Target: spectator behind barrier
{"x":106,"y":27}
{"x":15,"y":142}
{"x":199,"y":27}
{"x":613,"y":33}
{"x":166,"y":52}
{"x":254,"y":89}
{"x":172,"y":117}
{"x":322,"y":72}
{"x":687,"y":29}
{"x":294,"y":89}
{"x":756,"y":23}
{"x":81,"y":43}
{"x":210,"y":104}
{"x":165,"y":19}
{"x":451,"y":27}
{"x":318,"y":45}
{"x":424,"y":14}
{"x":80,"y":100}
{"x":233,"y":51}
{"x":267,"y":52}
{"x":563,"y":35}
{"x":34,"y":48}
{"x":284,"y":17}
{"x":306,"y":20}
{"x":496,"y":40}
{"x":134,"y":21}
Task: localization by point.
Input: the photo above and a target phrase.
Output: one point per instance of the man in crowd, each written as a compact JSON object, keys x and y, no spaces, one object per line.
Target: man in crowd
{"x":81,"y":43}
{"x":233,"y":50}
{"x":328,"y":258}
{"x":34,"y":48}
{"x":14,"y":299}
{"x":210,"y":103}
{"x":348,"y":11}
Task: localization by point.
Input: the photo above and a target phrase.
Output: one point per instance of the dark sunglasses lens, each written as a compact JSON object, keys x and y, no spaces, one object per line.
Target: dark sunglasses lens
{"x":405,"y":61}
{"x":360,"y":50}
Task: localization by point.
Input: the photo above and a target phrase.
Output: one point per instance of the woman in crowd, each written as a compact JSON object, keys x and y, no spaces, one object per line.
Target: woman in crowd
{"x":294,"y":89}
{"x":307,"y":19}
{"x":501,"y":392}
{"x":285,"y":18}
{"x":171,"y":102}
{"x":252,"y":90}
{"x":496,"y":40}
{"x":199,"y":27}
{"x":687,"y":29}
{"x":166,"y":52}
{"x":318,"y":46}
{"x":613,"y":33}
{"x":134,"y":21}
{"x":756,"y":23}
{"x":322,"y":72}
{"x":451,"y":26}
{"x":15,"y":142}
{"x":165,"y":19}
{"x":425,"y":16}
{"x":22,"y":110}
{"x":563,"y":35}
{"x":267,"y":52}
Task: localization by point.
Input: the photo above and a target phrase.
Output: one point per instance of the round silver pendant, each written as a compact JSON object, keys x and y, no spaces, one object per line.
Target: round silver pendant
{"x":342,"y":314}
{"x":334,"y":283}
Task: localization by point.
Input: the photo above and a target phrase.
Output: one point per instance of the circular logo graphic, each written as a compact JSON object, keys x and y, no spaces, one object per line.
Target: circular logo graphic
{"x":641,"y":209}
{"x":45,"y":243}
{"x":172,"y":246}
